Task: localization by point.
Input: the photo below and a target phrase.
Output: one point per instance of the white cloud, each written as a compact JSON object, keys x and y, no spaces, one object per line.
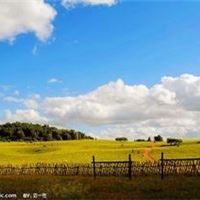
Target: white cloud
{"x":34,"y":16}
{"x":12,"y":99}
{"x":24,"y":115}
{"x":187,"y":89}
{"x":18,"y":17}
{"x":16,"y":93}
{"x":31,"y":103}
{"x":72,"y":3}
{"x":170,"y":108}
{"x":54,"y":80}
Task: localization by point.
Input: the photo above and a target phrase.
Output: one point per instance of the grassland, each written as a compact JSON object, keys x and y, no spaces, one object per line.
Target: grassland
{"x":58,"y":188}
{"x":62,"y":187}
{"x":188,"y":149}
{"x":82,"y":151}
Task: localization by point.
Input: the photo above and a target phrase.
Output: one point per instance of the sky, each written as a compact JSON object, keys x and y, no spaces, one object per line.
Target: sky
{"x":108,"y":68}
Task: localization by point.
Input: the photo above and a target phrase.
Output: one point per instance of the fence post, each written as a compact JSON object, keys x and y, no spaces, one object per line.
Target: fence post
{"x":77,"y":172}
{"x":94,"y":167}
{"x":162,"y":166}
{"x":129,"y":167}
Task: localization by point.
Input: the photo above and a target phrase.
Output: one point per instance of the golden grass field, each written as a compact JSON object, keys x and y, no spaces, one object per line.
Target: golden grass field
{"x":81,"y":151}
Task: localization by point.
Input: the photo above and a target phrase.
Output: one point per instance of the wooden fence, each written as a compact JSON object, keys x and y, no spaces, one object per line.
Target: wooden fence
{"x":162,"y":167}
{"x":129,"y":168}
{"x":113,"y":168}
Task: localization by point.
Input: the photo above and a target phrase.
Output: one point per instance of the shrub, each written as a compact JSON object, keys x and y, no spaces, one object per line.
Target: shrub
{"x":140,"y":140}
{"x":121,"y":139}
{"x":174,"y":141}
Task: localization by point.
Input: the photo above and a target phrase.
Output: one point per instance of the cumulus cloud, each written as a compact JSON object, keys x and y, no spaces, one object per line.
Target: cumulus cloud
{"x":72,"y":3}
{"x":18,"y":17}
{"x":24,"y":115}
{"x":31,"y":103}
{"x":170,"y":108}
{"x":113,"y":103}
{"x":34,"y":16}
{"x":187,"y":89}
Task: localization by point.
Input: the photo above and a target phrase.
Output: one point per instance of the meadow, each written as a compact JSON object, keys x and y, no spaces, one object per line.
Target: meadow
{"x":81,"y":151}
{"x":79,"y":187}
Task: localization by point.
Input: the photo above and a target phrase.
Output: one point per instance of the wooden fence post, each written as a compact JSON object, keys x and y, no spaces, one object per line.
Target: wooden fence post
{"x":77,"y":172}
{"x":162,"y":166}
{"x":94,"y":167}
{"x":129,"y":167}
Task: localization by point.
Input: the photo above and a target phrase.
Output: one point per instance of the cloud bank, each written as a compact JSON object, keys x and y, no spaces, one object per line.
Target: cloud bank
{"x":169,"y":108}
{"x":18,"y":17}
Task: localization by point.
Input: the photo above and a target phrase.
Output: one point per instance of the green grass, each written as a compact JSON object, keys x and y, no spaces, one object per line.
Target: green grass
{"x":59,"y":188}
{"x":83,"y":150}
{"x":188,"y":149}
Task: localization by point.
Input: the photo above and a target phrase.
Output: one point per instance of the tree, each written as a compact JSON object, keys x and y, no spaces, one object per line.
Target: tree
{"x":48,"y":137}
{"x":66,"y":136}
{"x":149,"y":139}
{"x":56,"y":135}
{"x":33,"y":132}
{"x":20,"y":135}
{"x":158,"y":138}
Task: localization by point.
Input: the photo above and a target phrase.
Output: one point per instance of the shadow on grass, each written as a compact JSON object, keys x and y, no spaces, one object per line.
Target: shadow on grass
{"x":103,"y":187}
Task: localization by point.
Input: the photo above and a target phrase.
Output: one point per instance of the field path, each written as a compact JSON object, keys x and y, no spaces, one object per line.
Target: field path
{"x":147,"y":153}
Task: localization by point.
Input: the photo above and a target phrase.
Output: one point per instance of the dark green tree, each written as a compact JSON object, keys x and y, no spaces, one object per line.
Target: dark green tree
{"x":34,"y":132}
{"x":158,"y":138}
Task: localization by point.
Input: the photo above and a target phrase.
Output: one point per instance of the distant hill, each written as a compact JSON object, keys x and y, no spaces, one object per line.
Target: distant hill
{"x":35,"y":132}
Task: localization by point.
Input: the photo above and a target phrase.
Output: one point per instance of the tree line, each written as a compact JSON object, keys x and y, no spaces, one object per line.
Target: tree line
{"x":35,"y":132}
{"x":157,"y":138}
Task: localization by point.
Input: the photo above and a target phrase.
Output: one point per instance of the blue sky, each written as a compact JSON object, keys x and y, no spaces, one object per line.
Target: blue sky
{"x":138,"y":42}
{"x":92,"y":45}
